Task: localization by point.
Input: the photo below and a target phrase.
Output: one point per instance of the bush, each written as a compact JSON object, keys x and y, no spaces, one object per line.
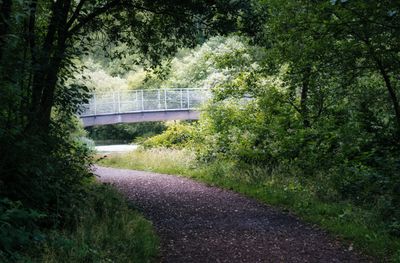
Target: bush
{"x":177,"y":135}
{"x":18,"y":230}
{"x":42,"y":183}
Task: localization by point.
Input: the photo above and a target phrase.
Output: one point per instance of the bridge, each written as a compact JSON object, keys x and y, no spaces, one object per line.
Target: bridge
{"x":143,"y":105}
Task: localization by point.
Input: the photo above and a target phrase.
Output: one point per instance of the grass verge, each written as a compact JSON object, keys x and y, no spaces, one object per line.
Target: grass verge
{"x":359,"y":227}
{"x":108,"y":230}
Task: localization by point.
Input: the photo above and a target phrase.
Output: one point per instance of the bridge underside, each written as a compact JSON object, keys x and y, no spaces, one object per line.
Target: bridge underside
{"x":139,"y":117}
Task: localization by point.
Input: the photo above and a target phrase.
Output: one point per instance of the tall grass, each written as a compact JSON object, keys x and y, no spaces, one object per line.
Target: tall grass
{"x":170,"y":161}
{"x":354,"y":225}
{"x":107,"y":231}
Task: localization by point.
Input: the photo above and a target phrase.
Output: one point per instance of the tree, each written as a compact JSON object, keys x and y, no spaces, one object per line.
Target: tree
{"x":369,"y":36}
{"x":343,"y":40}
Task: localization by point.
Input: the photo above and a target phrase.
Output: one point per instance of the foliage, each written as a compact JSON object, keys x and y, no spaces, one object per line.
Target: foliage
{"x":97,"y":79}
{"x":204,"y":66}
{"x":18,"y":227}
{"x":104,"y":228}
{"x":107,"y":230}
{"x":358,"y":162}
{"x":177,"y":135}
{"x":209,"y":64}
{"x":54,"y":187}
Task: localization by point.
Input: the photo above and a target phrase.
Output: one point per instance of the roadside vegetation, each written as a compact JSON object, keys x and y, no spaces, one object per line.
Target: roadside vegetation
{"x":106,"y":229}
{"x":88,"y":221}
{"x":102,"y":228}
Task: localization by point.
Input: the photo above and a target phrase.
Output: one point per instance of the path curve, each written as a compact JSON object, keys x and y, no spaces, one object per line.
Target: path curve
{"x":198,"y":223}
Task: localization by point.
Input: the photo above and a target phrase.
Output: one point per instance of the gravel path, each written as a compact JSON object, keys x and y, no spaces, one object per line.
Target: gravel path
{"x":198,"y":223}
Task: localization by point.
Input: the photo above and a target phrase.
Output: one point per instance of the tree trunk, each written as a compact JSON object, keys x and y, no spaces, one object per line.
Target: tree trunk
{"x":47,"y":99}
{"x":304,"y":96}
{"x":5,"y":13}
{"x":391,"y":91}
{"x":48,"y":67}
{"x":393,"y":97}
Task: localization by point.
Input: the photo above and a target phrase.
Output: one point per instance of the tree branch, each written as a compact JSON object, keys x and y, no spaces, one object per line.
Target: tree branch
{"x":76,"y":13}
{"x":101,"y":10}
{"x":93,"y":15}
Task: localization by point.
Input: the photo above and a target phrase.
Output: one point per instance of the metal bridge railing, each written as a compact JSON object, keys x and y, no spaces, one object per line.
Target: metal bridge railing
{"x":144,"y":101}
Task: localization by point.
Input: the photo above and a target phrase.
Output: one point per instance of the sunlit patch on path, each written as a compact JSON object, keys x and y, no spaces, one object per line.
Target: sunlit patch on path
{"x":198,"y":223}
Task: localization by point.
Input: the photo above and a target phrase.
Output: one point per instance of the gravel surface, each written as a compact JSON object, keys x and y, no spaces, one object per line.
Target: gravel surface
{"x":198,"y":223}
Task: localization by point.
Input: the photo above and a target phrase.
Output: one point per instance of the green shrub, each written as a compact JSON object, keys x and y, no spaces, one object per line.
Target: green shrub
{"x":177,"y":135}
{"x":18,"y":230}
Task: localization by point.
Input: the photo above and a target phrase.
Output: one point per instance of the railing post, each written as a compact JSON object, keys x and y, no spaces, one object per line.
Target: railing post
{"x":113,"y":109}
{"x":181,"y":99}
{"x":137,"y":100}
{"x":165,"y":99}
{"x":159,"y":98}
{"x":142,"y":101}
{"x":188,"y":98}
{"x":119,"y":101}
{"x":95,"y":107}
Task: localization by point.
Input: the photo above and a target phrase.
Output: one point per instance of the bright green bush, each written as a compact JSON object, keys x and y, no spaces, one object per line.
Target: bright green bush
{"x":177,"y":135}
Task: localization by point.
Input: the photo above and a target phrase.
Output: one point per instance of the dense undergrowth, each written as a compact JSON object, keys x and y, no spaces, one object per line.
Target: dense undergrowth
{"x":103,"y":229}
{"x":356,"y":225}
{"x":107,"y":231}
{"x":51,"y":210}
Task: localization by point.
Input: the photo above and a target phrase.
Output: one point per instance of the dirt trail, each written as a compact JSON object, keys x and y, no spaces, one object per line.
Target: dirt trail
{"x":198,"y":223}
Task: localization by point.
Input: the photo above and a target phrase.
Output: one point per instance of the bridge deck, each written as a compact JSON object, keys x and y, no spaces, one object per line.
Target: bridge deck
{"x":133,"y":117}
{"x":143,"y":105}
